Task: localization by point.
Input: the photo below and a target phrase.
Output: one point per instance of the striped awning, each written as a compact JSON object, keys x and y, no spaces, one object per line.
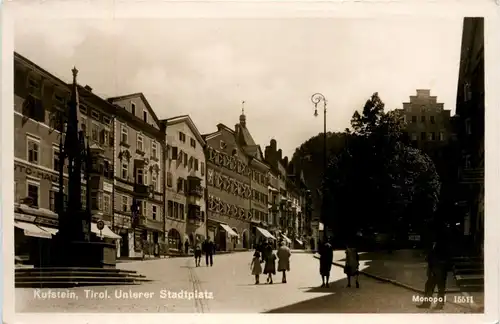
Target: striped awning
{"x":32,"y":230}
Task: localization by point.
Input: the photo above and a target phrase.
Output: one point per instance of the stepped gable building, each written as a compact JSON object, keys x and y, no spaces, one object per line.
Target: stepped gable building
{"x":139,"y":170}
{"x":40,"y":107}
{"x":185,"y":167}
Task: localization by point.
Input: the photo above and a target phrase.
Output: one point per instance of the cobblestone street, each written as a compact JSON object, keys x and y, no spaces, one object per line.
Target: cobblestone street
{"x":228,"y":287}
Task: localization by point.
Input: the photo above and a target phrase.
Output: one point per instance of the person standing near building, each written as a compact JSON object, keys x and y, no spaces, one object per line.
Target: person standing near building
{"x":197,"y":254}
{"x":325,"y":262}
{"x":283,"y":260}
{"x":438,"y":265}
{"x":209,"y":250}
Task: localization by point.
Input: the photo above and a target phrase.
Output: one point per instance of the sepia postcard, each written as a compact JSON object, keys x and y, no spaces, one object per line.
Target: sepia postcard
{"x":248,"y":159}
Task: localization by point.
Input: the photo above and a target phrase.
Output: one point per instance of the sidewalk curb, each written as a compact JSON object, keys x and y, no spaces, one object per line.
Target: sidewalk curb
{"x":408,"y":287}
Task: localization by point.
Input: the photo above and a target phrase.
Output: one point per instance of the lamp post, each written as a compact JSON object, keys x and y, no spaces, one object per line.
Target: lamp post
{"x":316,"y":99}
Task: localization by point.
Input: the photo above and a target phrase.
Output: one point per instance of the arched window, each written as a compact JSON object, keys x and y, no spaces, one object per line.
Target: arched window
{"x":174,"y":239}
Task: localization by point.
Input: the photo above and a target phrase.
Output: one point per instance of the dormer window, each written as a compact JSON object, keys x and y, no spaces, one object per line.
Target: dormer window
{"x":222,"y":145}
{"x":132,"y":105}
{"x":145,"y":116}
{"x":83,"y":108}
{"x":95,"y":114}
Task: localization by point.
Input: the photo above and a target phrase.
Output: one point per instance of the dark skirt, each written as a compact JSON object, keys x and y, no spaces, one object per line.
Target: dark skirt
{"x":350,"y":271}
{"x":270,"y":267}
{"x":197,"y":254}
{"x":325,"y":267}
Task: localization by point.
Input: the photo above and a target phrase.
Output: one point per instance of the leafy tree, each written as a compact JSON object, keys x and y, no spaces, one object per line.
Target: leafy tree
{"x":376,"y":181}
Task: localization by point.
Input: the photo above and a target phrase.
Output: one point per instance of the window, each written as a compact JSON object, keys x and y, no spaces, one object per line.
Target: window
{"x":176,"y":210}
{"x":33,"y":150}
{"x":433,"y":120}
{"x":193,"y":143}
{"x":154,"y":211}
{"x":467,"y":162}
{"x":441,"y":136}
{"x":146,"y":182}
{"x":145,"y":116}
{"x":95,"y":132}
{"x":83,"y":126}
{"x":154,"y":182}
{"x":132,"y":105}
{"x":182,"y":137}
{"x":139,"y":176}
{"x":468,"y":126}
{"x":55,"y":158}
{"x":202,"y":168}
{"x":124,"y":138}
{"x":33,"y":193}
{"x":191,"y":162}
{"x":154,"y":150}
{"x":181,"y":211}
{"x":413,"y":119}
{"x":169,"y":179}
{"x":106,"y":199}
{"x":95,"y":114}
{"x":422,"y":119}
{"x":196,"y":164}
{"x":432,"y":136}
{"x":422,"y":136}
{"x":124,"y":170}
{"x":106,"y":120}
{"x":83,"y":108}
{"x":185,"y":157}
{"x":52,"y":200}
{"x":96,"y":200}
{"x":105,"y":137}
{"x":140,"y":143}
{"x":144,"y":207}
{"x":84,"y":197}
{"x":180,"y":184}
{"x":413,"y":136}
{"x":222,"y":145}
{"x":170,"y":208}
{"x":174,"y":153}
{"x":124,"y":203}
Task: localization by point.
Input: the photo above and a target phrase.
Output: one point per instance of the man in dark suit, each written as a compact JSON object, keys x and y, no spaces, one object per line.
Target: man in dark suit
{"x":209,"y":250}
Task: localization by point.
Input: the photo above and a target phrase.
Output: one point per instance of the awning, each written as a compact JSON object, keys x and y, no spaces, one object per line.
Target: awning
{"x":265,"y":233}
{"x":32,"y":230}
{"x":228,"y":229}
{"x":52,"y":231}
{"x":105,"y":232}
{"x":286,"y":238}
{"x":36,"y":211}
{"x":272,"y":189}
{"x":299,"y":241}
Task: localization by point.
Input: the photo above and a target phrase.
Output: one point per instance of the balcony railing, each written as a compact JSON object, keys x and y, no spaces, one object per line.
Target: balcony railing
{"x":141,"y":190}
{"x":196,"y":192}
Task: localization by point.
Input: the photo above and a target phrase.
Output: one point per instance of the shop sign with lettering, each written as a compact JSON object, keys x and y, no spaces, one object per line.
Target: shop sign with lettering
{"x":107,"y":187}
{"x":36,"y":172}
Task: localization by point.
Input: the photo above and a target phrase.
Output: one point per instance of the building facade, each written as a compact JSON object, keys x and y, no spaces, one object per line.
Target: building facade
{"x":40,"y":109}
{"x":470,"y":132}
{"x":138,"y":174}
{"x":185,"y":167}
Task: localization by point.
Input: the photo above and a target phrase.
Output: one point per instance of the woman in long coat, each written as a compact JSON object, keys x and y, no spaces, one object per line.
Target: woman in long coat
{"x":270,"y":263}
{"x":325,"y":263}
{"x":283,"y":260}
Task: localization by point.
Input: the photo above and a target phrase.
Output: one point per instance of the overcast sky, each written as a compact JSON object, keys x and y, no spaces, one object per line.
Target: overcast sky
{"x":207,"y":67}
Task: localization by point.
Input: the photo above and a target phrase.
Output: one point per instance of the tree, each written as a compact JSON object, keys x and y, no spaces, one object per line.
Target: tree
{"x":376,"y":181}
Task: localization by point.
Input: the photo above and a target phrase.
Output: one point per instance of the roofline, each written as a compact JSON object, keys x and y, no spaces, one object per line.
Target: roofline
{"x":37,"y":67}
{"x":187,"y":119}
{"x":142,"y":96}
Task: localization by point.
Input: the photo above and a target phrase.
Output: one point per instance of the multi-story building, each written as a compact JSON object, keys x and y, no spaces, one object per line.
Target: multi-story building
{"x":139,"y":190}
{"x":470,"y":132}
{"x":273,"y":201}
{"x":40,"y":105}
{"x":185,"y":167}
{"x":427,"y":122}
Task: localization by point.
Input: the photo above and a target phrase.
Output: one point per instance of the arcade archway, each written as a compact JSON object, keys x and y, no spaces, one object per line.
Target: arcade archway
{"x":174,"y":239}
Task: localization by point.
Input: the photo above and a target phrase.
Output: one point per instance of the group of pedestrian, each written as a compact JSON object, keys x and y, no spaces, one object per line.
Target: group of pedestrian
{"x":268,"y":258}
{"x":351,"y":268}
{"x":208,"y":248}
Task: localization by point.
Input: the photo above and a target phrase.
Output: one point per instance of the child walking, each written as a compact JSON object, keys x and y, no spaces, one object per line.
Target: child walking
{"x":197,"y":254}
{"x":351,"y":268}
{"x":256,"y":266}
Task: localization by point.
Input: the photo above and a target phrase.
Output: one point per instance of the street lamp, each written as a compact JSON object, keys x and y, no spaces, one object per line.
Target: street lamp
{"x":316,"y":99}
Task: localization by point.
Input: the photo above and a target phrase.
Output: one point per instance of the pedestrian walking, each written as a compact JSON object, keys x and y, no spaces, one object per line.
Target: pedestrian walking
{"x":283,"y":255}
{"x":351,"y":268}
{"x":438,"y":265}
{"x":197,"y":254}
{"x":209,"y":250}
{"x":186,"y":247}
{"x":270,"y":263}
{"x":256,"y":266}
{"x":325,"y":263}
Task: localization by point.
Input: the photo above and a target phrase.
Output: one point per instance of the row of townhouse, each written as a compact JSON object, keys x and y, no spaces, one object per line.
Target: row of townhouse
{"x":183,"y":186}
